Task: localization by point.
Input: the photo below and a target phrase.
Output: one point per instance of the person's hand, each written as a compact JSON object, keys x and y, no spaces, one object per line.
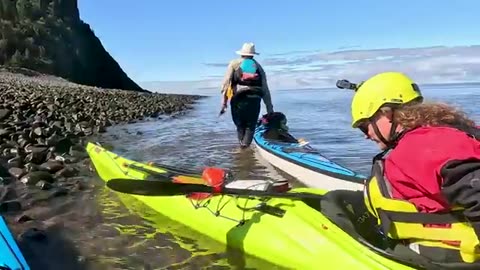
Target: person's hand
{"x":224,"y":109}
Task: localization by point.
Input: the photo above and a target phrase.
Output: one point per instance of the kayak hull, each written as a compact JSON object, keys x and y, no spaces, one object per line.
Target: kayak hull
{"x":10,"y":255}
{"x":302,"y":239}
{"x":306,"y":164}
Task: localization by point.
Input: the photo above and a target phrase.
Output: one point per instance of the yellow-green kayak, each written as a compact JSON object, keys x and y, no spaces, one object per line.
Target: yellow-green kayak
{"x":303,"y":238}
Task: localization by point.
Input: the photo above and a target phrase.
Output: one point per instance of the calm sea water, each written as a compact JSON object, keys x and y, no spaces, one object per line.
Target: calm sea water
{"x":320,"y":116}
{"x":201,"y":138}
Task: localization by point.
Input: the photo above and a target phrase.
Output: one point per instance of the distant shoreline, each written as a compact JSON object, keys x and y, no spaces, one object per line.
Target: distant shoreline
{"x":215,"y":91}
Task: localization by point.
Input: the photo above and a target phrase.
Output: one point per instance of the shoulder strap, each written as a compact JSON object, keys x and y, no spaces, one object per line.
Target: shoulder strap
{"x":474,"y":132}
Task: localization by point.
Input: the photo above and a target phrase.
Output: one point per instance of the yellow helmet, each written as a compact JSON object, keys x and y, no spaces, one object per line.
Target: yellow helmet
{"x":382,"y":89}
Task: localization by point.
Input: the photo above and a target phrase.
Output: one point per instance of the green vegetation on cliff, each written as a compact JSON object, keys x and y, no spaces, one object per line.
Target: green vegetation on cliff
{"x":48,"y":36}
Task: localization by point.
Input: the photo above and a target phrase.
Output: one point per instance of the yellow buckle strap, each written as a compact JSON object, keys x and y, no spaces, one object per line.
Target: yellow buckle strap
{"x":470,"y":250}
{"x":458,"y":232}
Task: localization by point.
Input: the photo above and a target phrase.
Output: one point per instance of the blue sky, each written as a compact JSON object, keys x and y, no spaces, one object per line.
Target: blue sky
{"x":184,"y":44}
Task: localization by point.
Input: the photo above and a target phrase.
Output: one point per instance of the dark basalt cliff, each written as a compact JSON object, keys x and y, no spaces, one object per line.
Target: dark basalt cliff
{"x":48,"y":36}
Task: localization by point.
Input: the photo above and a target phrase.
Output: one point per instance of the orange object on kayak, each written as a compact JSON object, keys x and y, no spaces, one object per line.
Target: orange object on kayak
{"x":211,"y":176}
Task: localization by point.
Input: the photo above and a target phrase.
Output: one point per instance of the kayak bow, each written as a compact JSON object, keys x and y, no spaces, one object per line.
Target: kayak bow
{"x":305,"y":163}
{"x":11,"y":258}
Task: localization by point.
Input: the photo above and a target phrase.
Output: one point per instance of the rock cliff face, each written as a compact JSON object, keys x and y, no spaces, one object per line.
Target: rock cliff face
{"x":48,"y":36}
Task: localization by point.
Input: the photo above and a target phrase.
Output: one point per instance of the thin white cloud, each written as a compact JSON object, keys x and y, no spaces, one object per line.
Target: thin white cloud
{"x":311,"y":69}
{"x":220,"y":65}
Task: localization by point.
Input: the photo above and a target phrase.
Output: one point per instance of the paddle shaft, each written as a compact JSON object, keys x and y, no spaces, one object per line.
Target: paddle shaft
{"x":163,"y":188}
{"x":187,"y":188}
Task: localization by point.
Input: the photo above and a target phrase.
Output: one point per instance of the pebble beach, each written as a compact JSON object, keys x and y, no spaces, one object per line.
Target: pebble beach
{"x":45,"y":123}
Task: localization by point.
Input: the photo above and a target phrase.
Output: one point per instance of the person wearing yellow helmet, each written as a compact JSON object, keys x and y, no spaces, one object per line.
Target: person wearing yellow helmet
{"x":425,"y":184}
{"x":381,"y":93}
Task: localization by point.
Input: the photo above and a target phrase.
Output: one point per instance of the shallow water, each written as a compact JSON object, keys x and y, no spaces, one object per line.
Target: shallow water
{"x":118,"y":238}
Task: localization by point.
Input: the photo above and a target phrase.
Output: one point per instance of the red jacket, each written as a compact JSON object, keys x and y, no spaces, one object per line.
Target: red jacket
{"x":436,"y":167}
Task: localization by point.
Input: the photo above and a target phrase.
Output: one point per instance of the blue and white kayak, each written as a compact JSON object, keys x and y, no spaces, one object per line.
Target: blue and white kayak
{"x":306,"y":164}
{"x":11,"y":257}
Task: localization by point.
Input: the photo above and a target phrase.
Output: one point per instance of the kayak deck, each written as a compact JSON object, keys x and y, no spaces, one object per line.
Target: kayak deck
{"x":306,"y":164}
{"x":303,"y":238}
{"x":10,"y":255}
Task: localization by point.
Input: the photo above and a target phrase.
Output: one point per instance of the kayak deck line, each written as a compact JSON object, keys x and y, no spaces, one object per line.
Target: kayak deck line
{"x":203,"y":200}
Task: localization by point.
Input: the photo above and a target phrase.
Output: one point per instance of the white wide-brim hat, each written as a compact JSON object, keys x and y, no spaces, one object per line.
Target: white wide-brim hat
{"x":247,"y":49}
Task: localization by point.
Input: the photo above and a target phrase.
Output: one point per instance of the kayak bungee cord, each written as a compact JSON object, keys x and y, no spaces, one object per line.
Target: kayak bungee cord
{"x":200,"y":202}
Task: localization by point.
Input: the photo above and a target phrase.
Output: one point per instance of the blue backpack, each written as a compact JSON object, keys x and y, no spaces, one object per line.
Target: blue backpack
{"x":247,"y":74}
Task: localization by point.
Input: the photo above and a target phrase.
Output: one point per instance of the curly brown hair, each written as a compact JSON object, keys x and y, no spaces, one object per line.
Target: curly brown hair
{"x":411,"y":116}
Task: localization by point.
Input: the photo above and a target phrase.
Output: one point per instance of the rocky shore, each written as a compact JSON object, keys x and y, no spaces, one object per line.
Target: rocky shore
{"x":44,"y":123}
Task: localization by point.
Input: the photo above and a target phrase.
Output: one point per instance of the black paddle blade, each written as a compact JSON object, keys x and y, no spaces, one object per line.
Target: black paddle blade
{"x":155,"y":188}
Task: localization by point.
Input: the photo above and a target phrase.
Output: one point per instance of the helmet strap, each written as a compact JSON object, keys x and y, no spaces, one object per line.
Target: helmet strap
{"x":379,"y":134}
{"x":393,"y":134}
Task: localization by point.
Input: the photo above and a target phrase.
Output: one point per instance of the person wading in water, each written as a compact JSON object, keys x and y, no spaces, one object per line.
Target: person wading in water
{"x":245,"y":85}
